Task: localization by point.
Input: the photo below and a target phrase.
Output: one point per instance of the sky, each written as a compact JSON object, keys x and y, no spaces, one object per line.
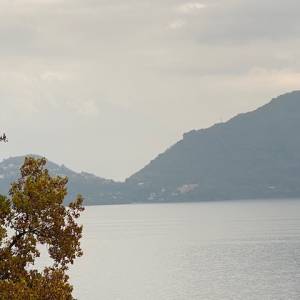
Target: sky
{"x":104,"y":86}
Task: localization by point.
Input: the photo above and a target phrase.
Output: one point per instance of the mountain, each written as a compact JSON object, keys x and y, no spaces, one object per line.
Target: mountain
{"x":90,"y":186}
{"x":255,"y":155}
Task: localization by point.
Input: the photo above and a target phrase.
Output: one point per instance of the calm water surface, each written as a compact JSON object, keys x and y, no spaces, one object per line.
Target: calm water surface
{"x":221,"y":250}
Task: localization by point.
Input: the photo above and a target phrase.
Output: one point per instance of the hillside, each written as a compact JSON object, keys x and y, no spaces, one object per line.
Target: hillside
{"x":90,"y":186}
{"x":254,"y":155}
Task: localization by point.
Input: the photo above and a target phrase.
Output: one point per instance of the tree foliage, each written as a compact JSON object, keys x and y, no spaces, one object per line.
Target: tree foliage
{"x":31,"y":215}
{"x":3,"y":138}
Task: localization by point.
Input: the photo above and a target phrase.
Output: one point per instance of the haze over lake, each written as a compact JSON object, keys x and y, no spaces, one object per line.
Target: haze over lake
{"x":209,"y":250}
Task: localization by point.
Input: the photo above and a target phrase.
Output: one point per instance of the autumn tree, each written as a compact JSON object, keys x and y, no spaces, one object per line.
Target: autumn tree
{"x":33,"y":214}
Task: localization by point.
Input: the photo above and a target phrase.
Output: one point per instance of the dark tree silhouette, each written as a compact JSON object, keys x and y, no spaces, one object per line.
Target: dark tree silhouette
{"x":3,"y":138}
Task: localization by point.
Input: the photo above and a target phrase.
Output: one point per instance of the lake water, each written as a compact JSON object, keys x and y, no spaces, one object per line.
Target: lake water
{"x":220,"y":250}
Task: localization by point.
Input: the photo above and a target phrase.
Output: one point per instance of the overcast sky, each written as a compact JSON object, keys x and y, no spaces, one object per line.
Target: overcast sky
{"x":105,"y":85}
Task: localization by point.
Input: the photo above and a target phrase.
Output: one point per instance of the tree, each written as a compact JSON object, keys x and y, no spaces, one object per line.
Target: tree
{"x":3,"y":138}
{"x":34,"y":214}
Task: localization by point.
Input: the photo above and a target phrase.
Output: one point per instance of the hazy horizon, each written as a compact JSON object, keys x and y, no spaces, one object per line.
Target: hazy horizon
{"x":104,"y":87}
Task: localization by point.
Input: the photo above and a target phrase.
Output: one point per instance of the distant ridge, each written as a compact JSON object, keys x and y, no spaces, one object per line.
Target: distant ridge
{"x":254,"y":155}
{"x":89,"y":185}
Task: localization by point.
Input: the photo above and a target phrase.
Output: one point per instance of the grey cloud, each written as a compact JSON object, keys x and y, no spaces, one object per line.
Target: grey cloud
{"x":246,"y":21}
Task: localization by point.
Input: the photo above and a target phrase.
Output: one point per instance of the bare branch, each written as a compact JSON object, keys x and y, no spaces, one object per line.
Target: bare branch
{"x":3,"y":138}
